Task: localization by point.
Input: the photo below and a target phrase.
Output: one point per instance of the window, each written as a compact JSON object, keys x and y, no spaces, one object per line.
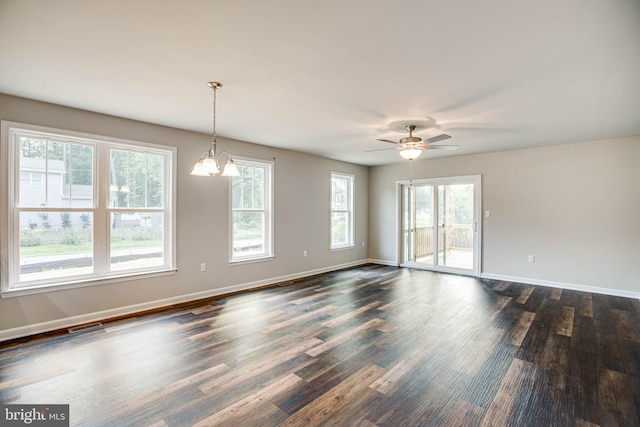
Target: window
{"x":251,"y":215}
{"x":31,"y":179}
{"x":341,"y":210}
{"x":81,"y":208}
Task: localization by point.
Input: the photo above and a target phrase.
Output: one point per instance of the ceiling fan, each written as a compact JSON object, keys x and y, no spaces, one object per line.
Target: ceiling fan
{"x":412,"y":146}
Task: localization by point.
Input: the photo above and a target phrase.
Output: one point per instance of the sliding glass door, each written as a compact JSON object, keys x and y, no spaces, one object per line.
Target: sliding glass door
{"x":440,"y":228}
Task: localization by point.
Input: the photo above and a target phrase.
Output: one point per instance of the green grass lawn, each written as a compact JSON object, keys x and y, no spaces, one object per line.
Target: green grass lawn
{"x":44,"y":250}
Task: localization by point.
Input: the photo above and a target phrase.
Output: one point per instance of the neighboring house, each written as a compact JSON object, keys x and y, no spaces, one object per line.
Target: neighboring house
{"x":40,"y":181}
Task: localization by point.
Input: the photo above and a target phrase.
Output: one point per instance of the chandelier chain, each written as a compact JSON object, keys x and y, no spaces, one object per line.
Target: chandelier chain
{"x":215,"y":87}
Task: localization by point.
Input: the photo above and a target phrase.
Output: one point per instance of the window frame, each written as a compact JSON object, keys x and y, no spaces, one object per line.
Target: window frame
{"x":349,"y":211}
{"x":267,"y":202}
{"x":100,"y":209}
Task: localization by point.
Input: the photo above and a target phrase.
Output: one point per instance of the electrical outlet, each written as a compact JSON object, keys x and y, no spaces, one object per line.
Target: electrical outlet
{"x":363,"y":244}
{"x":203,"y":266}
{"x":304,"y":254}
{"x":532,"y":258}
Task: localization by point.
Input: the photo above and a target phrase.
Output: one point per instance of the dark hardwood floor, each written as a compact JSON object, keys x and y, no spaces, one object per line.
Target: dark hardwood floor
{"x":367,"y":346}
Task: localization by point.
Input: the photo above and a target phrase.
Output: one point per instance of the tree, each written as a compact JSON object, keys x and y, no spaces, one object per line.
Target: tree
{"x":138,"y":178}
{"x":65,"y":218}
{"x":86,"y":220}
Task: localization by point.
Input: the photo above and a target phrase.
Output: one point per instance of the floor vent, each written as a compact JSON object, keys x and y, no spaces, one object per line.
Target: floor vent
{"x":287,"y":283}
{"x":85,"y":328}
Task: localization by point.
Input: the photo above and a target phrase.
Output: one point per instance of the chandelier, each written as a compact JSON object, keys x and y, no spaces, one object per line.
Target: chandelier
{"x":208,"y":164}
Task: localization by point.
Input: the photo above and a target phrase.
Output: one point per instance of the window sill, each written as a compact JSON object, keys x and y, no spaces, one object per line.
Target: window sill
{"x":251,"y":260}
{"x":341,"y":248}
{"x":40,"y":289}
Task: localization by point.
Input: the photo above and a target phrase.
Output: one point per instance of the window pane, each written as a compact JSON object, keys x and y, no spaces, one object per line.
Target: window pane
{"x":136,"y":240}
{"x":55,"y":245}
{"x":66,"y":168}
{"x":37,"y":179}
{"x":32,"y":160}
{"x":248,"y":234}
{"x":136,"y":179}
{"x":25,"y":178}
{"x":57,"y":174}
{"x":339,"y":228}
{"x":119,"y":179}
{"x":155,"y":177}
{"x":80,"y":183}
{"x":339,"y":194}
{"x":248,"y":188}
{"x":341,"y":210}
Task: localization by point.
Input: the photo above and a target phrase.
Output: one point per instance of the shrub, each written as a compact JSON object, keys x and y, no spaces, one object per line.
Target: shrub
{"x":29,"y":238}
{"x":71,"y":237}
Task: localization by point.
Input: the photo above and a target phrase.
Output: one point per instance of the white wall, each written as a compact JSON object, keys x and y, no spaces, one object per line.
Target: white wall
{"x":576,"y":207}
{"x":301,"y":223}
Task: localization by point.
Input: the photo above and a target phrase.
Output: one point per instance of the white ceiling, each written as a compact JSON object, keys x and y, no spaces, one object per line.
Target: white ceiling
{"x":328,"y":77}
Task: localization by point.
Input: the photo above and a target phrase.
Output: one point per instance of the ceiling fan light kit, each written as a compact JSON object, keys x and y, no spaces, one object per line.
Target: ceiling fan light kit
{"x":207,"y":165}
{"x":411,"y":146}
{"x":411,"y":153}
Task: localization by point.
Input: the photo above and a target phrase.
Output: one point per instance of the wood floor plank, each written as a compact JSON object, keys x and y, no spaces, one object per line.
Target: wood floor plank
{"x":230,"y":327}
{"x":525,"y":294}
{"x":255,"y":402}
{"x":139,"y":402}
{"x":581,"y":383}
{"x":522,"y":328}
{"x":322,"y":376}
{"x":246,"y":372}
{"x":499,"y":412}
{"x":500,"y":286}
{"x":499,"y":305}
{"x":626,"y":328}
{"x":332,"y":343}
{"x":314,"y":314}
{"x":556,"y":294}
{"x":463,"y":414}
{"x":336,"y":399}
{"x":564,"y":325}
{"x":368,"y":346}
{"x":585,"y":307}
{"x":390,"y":380}
{"x":345,"y":317}
{"x":583,"y":334}
{"x":617,"y":406}
{"x":555,"y":359}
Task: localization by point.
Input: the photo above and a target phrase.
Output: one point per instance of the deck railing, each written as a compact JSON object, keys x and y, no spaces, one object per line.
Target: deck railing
{"x":459,"y":237}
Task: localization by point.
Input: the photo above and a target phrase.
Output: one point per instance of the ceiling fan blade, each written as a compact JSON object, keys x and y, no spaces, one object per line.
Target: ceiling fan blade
{"x":380,"y":149}
{"x":442,"y":147}
{"x":437,"y":138}
{"x":387,"y":140}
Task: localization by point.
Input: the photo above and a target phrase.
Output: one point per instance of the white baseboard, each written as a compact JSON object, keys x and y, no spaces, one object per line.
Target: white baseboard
{"x":384,"y":262}
{"x":67,"y":322}
{"x":563,"y":285}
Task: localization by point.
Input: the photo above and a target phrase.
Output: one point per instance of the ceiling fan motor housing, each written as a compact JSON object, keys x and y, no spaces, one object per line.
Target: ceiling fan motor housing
{"x":410,"y":139}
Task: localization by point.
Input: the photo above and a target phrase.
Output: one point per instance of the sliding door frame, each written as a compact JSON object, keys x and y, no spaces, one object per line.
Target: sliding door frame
{"x":476,"y":180}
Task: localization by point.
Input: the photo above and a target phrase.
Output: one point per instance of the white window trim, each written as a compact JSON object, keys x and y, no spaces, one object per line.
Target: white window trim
{"x":8,"y":189}
{"x":269,"y":254}
{"x":351,"y":214}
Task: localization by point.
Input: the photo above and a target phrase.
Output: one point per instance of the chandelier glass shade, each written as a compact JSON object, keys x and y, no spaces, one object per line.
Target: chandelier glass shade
{"x":208,"y":164}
